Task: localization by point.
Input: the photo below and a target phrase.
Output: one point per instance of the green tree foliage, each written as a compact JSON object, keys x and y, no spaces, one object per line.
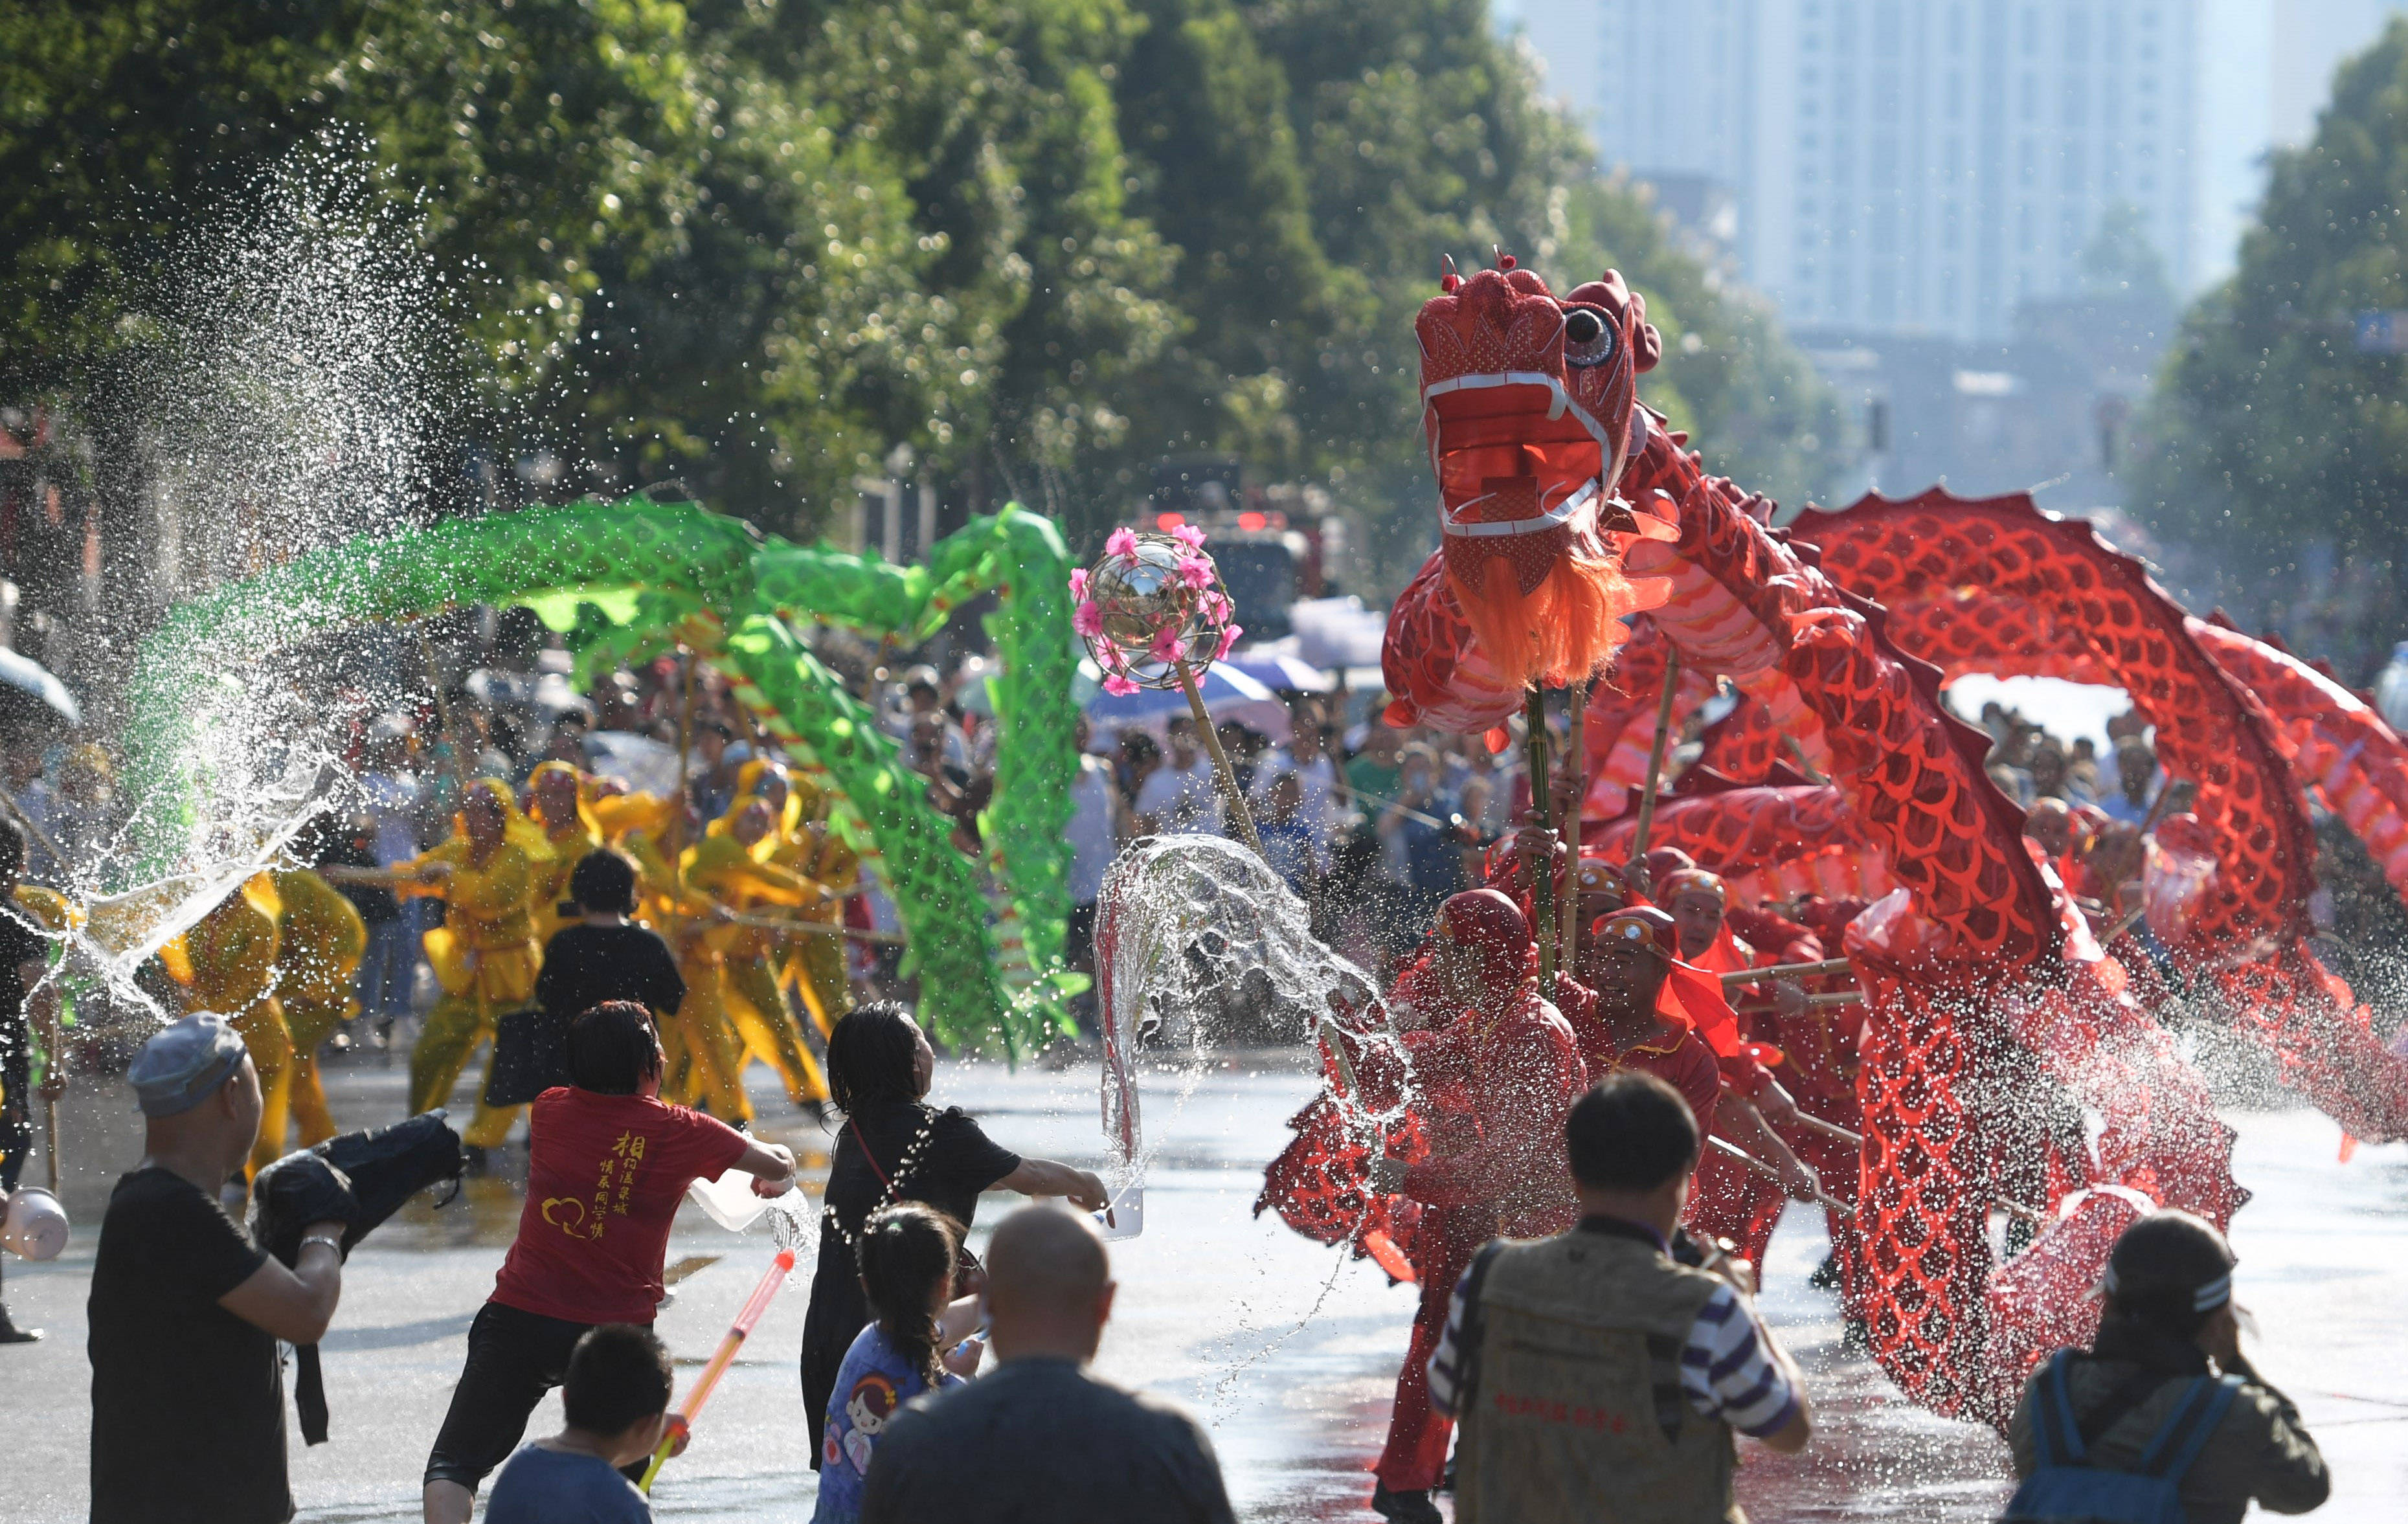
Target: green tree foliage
{"x":2268,"y":428}
{"x":755,"y":244}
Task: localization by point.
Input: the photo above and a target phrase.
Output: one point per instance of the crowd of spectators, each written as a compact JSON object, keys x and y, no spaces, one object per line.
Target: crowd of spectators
{"x":2031,"y":764}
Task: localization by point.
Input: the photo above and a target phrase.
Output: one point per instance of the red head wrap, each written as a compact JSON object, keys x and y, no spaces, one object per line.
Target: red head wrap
{"x":1596,"y":875}
{"x":1664,"y":861}
{"x":1692,"y":881}
{"x":1497,"y":933}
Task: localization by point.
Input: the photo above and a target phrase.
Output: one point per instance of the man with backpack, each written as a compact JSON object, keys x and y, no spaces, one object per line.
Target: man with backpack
{"x":2140,"y":1427}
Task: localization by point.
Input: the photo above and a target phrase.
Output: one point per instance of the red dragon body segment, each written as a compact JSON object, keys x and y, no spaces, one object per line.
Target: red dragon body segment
{"x":1771,"y":843}
{"x":1526,"y":403}
{"x":2335,"y":741}
{"x":2248,"y":933}
{"x":1968,"y":629}
{"x":2210,"y":729}
{"x":1619,"y":722}
{"x":1915,"y":771}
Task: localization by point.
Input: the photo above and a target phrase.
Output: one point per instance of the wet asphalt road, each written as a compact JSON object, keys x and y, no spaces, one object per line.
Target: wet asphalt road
{"x":1286,"y":1350}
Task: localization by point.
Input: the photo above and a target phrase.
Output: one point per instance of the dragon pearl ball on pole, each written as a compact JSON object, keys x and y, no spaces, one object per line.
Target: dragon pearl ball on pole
{"x":1154,"y":615}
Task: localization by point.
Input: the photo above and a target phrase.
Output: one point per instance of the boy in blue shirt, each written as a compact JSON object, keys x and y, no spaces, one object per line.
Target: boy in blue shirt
{"x":617,"y":1399}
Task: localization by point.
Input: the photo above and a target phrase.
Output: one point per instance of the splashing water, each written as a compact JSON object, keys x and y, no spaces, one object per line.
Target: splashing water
{"x":284,"y":389}
{"x":1198,"y":941}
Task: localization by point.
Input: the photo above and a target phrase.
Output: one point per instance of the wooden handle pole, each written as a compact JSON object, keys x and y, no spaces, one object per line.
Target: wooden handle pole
{"x":1656,"y":760}
{"x":685,"y":756}
{"x":1542,"y":884}
{"x":1787,"y":971}
{"x":1813,"y":1003}
{"x":1758,"y":1166}
{"x":1830,"y":1129}
{"x":1567,"y":918}
{"x":1232,"y":798}
{"x":51,"y":1129}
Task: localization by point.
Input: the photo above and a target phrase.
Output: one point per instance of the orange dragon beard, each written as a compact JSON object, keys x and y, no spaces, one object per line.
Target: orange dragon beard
{"x":1561,"y":625}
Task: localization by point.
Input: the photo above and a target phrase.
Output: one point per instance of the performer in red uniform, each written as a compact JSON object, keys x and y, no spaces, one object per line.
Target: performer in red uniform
{"x":1495,"y":1070}
{"x":1616,"y":1011}
{"x":1729,"y":1199}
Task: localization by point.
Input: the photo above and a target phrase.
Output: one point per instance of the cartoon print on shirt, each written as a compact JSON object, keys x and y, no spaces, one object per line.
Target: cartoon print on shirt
{"x":873,"y":1403}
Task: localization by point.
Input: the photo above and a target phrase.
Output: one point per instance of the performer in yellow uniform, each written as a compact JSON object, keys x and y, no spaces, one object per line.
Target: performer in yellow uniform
{"x":559,"y":798}
{"x":815,"y":849}
{"x":228,"y":965}
{"x":704,"y":1056}
{"x":731,"y":866}
{"x":485,"y":955}
{"x":319,"y":941}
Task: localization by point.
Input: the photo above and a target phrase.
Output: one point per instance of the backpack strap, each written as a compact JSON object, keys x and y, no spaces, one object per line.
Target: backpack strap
{"x":2054,"y":1431}
{"x":1467,"y":1381}
{"x":2194,"y":1423}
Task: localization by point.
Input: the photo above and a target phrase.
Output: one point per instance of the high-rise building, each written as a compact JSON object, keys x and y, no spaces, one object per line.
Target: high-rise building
{"x":1924,"y":165}
{"x":1910,"y":165}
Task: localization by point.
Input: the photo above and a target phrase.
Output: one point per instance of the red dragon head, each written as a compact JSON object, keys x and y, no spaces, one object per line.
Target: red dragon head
{"x":1526,"y":403}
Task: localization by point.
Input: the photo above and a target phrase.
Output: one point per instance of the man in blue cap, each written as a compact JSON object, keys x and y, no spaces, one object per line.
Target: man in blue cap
{"x":187,"y":1392}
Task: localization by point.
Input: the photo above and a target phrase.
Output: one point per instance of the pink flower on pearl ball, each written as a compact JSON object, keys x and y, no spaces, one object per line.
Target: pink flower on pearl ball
{"x":1118,"y":686}
{"x":1079,"y":583}
{"x":1189,"y":535}
{"x":1121,"y":542}
{"x":1088,"y":620}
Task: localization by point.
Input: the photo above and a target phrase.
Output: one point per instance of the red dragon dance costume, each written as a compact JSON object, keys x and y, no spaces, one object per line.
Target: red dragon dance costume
{"x":1488,"y":1089}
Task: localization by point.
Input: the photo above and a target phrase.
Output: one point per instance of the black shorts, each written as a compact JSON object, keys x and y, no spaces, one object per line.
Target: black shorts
{"x":514,"y":1359}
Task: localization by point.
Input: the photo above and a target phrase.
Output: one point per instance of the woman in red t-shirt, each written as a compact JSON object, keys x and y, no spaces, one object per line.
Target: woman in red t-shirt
{"x":609,"y":1161}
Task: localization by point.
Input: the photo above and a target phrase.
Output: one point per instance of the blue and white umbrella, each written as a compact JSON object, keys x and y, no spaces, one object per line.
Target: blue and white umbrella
{"x":1227,"y":694}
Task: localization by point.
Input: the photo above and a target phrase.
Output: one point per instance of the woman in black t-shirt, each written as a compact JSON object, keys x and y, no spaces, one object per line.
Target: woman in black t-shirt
{"x":895,"y":1147}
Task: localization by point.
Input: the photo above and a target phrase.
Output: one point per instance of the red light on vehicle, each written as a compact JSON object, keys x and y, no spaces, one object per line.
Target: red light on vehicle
{"x":1250,"y":521}
{"x":1168,"y":521}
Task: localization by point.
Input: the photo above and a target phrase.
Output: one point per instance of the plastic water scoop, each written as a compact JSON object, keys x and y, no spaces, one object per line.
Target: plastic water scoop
{"x":34,"y":1225}
{"x":680,"y":1424}
{"x":731,"y":1202}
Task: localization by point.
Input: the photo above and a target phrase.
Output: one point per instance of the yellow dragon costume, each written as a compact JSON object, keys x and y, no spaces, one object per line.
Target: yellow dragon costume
{"x":735,"y":966}
{"x":226,"y":964}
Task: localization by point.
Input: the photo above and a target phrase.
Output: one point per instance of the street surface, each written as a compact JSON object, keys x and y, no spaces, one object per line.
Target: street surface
{"x":1285,"y":1349}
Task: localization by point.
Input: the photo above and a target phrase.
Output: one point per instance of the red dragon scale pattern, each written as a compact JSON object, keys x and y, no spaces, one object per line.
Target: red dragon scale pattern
{"x":2249,"y":935}
{"x":1915,"y":776}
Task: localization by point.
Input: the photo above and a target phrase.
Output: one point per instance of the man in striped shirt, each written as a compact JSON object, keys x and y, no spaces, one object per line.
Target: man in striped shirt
{"x":1564,"y":1360}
